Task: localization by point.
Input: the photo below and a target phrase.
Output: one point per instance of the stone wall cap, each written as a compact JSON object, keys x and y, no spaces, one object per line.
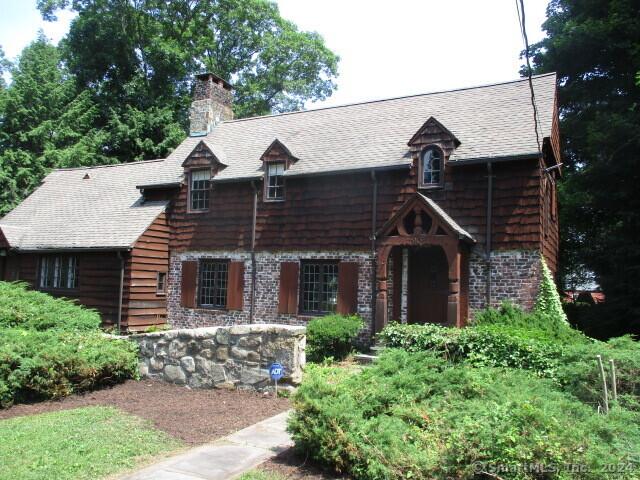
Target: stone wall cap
{"x":243,"y":329}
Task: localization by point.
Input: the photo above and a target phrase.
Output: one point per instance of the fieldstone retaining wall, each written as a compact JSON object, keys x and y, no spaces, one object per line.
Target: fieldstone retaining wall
{"x":224,"y":357}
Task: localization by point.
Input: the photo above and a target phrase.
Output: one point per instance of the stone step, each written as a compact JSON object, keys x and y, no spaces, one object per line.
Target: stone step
{"x":364,"y":359}
{"x":377,"y":348}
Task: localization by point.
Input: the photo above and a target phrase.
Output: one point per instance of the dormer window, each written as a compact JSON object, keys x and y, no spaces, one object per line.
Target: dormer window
{"x":274,"y":183}
{"x":431,"y":166}
{"x":199,"y":187}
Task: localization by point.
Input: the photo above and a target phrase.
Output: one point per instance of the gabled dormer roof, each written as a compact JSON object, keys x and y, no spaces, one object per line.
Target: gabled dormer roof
{"x":432,"y":128}
{"x":205,"y":154}
{"x":278,"y":150}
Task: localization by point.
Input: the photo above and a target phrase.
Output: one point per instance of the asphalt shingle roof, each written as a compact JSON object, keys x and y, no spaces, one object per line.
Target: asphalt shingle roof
{"x":106,"y":210}
{"x":70,"y":211}
{"x":492,"y":121}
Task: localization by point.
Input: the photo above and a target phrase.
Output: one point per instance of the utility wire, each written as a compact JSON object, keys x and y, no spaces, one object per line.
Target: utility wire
{"x":523,"y":30}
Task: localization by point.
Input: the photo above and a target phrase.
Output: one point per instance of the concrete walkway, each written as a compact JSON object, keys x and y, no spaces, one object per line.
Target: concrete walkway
{"x":225,"y":458}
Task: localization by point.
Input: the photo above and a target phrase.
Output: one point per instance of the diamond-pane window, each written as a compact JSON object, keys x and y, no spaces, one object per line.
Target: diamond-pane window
{"x":319,"y":287}
{"x":213,"y":283}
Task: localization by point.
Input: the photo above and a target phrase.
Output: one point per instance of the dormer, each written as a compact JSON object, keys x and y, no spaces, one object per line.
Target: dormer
{"x":276,"y":159}
{"x":204,"y":161}
{"x":430,"y":147}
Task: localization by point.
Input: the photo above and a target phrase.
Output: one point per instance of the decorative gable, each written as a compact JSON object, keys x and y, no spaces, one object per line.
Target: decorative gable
{"x":204,"y":155}
{"x":432,"y":132}
{"x":278,"y":152}
{"x":421,"y":216}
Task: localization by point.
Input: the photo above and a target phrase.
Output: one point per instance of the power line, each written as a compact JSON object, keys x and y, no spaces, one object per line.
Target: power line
{"x":523,"y":30}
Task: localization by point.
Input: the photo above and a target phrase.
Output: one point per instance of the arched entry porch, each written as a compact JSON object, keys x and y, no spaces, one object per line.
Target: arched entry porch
{"x":430,"y":266}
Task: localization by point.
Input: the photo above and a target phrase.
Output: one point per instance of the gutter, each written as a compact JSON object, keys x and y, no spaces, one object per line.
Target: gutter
{"x":253,"y":253}
{"x":374,"y":219}
{"x":481,"y":160}
{"x":120,"y":294}
{"x":488,"y":231}
{"x":79,"y":250}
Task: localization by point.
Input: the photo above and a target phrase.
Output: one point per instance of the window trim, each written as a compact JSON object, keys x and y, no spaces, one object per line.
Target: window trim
{"x":421,"y":183}
{"x":307,"y":261}
{"x":265,"y":190}
{"x":190,"y":208}
{"x":163,"y":292}
{"x":199,"y":285}
{"x":54,"y":256}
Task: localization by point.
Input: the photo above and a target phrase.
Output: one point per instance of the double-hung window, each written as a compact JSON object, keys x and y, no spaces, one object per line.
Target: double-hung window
{"x":213,"y":283}
{"x":58,"y":272}
{"x":199,"y":189}
{"x":319,"y":281}
{"x":274,"y":189}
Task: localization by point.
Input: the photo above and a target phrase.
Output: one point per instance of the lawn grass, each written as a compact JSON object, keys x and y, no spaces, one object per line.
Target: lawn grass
{"x":83,"y":443}
{"x":259,"y":475}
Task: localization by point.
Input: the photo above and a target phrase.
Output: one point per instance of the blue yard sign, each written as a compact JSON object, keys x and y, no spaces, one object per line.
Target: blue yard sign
{"x":276,"y":371}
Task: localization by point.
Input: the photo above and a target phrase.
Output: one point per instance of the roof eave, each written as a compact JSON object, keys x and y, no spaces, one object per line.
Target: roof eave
{"x":71,"y":249}
{"x":494,"y":159}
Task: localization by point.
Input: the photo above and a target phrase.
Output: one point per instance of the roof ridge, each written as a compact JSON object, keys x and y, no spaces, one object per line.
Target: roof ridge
{"x":365,"y":102}
{"x":122,"y":164}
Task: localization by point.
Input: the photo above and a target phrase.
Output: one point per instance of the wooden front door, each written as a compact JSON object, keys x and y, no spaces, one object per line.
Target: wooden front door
{"x":428,"y":285}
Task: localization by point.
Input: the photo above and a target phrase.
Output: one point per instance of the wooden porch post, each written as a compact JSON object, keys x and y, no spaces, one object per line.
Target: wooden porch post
{"x":454,"y":318}
{"x":381,"y":297}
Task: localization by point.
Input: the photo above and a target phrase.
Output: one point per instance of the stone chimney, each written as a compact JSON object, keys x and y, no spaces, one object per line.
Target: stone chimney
{"x":212,"y":102}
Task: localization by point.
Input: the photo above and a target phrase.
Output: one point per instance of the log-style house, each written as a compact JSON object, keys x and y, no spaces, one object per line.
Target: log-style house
{"x":423,"y":208}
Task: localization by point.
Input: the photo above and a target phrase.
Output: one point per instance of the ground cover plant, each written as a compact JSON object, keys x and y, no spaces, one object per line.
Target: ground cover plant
{"x":332,"y":336}
{"x":83,"y":443}
{"x":24,"y":308}
{"x":417,"y":415}
{"x":53,"y":347}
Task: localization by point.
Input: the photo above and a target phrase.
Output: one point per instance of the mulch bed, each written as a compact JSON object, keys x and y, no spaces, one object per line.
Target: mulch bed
{"x":293,"y":467}
{"x":193,"y":416}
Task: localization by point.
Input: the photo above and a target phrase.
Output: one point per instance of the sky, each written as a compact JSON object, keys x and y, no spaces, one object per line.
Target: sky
{"x":387,"y":49}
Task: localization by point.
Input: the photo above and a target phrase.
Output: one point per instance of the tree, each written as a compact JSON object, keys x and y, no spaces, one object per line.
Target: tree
{"x":594,"y":46}
{"x":43,"y":123}
{"x":138,"y":56}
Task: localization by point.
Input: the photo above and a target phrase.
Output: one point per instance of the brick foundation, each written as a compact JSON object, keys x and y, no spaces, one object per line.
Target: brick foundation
{"x":267,"y":289}
{"x":515,"y":276}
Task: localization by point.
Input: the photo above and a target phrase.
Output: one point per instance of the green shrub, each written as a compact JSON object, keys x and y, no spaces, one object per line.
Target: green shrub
{"x":24,"y":308}
{"x":332,"y":336}
{"x":488,"y":346}
{"x":578,"y":372}
{"x":529,"y":325}
{"x":548,"y":301}
{"x":37,"y":365}
{"x":414,"y":415}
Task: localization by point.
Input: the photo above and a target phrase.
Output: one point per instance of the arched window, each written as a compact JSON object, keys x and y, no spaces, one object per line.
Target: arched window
{"x":432,"y":163}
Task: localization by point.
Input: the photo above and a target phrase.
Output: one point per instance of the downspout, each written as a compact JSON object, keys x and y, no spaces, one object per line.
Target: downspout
{"x":489,"y":232}
{"x":374,"y":219}
{"x":120,"y":292}
{"x":253,"y":253}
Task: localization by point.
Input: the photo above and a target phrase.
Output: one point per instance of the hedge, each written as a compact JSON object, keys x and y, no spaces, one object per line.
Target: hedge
{"x":415,"y":415}
{"x":332,"y":336}
{"x":20,"y":307}
{"x":39,"y":365}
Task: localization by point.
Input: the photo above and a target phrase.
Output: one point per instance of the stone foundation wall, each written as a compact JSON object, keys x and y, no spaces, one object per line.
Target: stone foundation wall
{"x":515,"y":276}
{"x":223,"y":357}
{"x":267,"y":289}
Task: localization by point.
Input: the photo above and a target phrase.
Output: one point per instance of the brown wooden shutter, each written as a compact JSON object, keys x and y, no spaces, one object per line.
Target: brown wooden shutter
{"x":288,"y":301}
{"x":189,"y":281}
{"x":347,"y":288}
{"x":235,"y":286}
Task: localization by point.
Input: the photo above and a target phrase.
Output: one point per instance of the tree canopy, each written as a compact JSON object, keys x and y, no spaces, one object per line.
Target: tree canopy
{"x":118,"y":87}
{"x":595,"y":49}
